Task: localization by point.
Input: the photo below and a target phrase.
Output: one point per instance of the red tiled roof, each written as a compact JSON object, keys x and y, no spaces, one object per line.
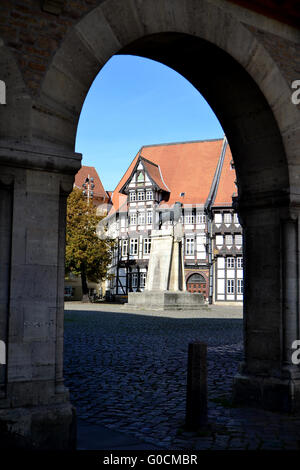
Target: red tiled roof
{"x":90,"y":171}
{"x":154,"y":173}
{"x":187,"y":167}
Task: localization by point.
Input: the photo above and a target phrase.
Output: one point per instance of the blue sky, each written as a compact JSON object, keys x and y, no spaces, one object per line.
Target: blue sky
{"x":134,"y":102}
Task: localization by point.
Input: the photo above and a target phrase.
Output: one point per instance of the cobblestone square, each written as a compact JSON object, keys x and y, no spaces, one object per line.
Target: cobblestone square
{"x":127,"y":371}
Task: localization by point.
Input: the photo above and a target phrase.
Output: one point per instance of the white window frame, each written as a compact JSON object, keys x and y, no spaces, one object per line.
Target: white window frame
{"x":141,"y":218}
{"x":141,"y":196}
{"x":149,"y":195}
{"x":240,"y":286}
{"x":236,"y":218}
{"x":230,"y":262}
{"x":201,"y":218}
{"x":189,"y":218}
{"x":239,"y":262}
{"x":189,"y":246}
{"x":230,"y":286}
{"x":149,"y":217}
{"x":238,"y":240}
{"x":219,"y":240}
{"x":143,"y":277}
{"x":132,"y":218}
{"x":218,"y":218}
{"x":132,"y":196}
{"x":134,"y":279}
{"x":147,"y":246}
{"x":134,"y":246}
{"x":124,"y":247}
{"x":228,"y":240}
{"x":227,"y":217}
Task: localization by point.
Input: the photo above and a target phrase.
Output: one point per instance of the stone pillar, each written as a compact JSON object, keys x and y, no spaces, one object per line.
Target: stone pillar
{"x":267,"y":378}
{"x":176,"y":282}
{"x":160,"y":260}
{"x":5,"y":253}
{"x":35,"y":411}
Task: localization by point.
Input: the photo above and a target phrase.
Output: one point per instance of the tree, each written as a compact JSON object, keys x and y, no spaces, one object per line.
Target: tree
{"x":87,"y":255}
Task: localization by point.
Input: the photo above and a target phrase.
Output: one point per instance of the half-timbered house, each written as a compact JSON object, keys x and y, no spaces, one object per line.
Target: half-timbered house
{"x":200,"y":175}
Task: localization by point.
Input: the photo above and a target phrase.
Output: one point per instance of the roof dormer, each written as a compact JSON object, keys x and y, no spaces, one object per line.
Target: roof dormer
{"x":145,"y":170}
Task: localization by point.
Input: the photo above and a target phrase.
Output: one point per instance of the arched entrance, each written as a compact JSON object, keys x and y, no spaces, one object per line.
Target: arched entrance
{"x":248,"y":88}
{"x":196,"y":283}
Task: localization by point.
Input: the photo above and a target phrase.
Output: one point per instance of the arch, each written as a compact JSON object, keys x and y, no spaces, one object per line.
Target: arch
{"x":196,"y":277}
{"x":197,"y":282}
{"x":244,"y":85}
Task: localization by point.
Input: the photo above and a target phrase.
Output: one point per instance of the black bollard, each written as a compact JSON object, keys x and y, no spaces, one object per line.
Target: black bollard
{"x":196,"y":396}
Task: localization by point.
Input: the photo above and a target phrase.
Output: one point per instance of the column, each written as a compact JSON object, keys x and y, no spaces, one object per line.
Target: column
{"x":35,"y":410}
{"x":6,"y":193}
{"x":267,"y":377}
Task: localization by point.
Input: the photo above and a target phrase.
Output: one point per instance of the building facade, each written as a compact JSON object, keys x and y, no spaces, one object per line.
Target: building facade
{"x":159,"y":176}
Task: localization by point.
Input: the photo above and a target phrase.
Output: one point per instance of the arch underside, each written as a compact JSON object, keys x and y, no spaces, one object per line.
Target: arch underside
{"x":237,"y":101}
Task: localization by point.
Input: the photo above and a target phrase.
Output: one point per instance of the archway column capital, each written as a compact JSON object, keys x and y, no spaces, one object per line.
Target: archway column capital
{"x":39,"y":157}
{"x":272,"y":204}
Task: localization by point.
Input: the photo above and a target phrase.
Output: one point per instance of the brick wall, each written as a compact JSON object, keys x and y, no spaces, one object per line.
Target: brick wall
{"x":34,"y":35}
{"x":286,"y":53}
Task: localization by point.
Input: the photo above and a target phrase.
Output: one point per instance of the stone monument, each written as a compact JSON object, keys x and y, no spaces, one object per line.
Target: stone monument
{"x":165,"y":287}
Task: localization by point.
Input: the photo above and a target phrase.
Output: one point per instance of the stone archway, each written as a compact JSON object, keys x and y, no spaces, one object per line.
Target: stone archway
{"x":249,"y":92}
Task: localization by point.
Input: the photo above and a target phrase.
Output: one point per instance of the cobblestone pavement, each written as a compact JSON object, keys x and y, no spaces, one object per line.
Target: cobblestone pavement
{"x":127,"y":371}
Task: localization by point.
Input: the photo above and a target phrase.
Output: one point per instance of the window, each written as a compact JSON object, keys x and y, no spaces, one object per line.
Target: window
{"x":218,"y":218}
{"x":134,"y":279}
{"x":201,"y":218}
{"x":149,"y":217}
{"x":230,"y":286}
{"x":132,"y":219}
{"x":230,"y":262}
{"x":141,"y":218}
{"x":143,"y":277}
{"x":189,"y":246}
{"x":219,"y":240}
{"x":240,"y":284}
{"x":141,"y":196}
{"x":133,"y":246}
{"x":238,"y":240}
{"x":132,"y":196}
{"x":147,"y":246}
{"x":124,"y":247}
{"x":227,"y":218}
{"x":149,"y":195}
{"x":236,"y":219}
{"x":189,"y":219}
{"x":228,"y":239}
{"x":239,"y":262}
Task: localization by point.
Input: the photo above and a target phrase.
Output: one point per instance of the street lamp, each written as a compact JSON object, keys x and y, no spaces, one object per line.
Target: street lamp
{"x":88,"y":187}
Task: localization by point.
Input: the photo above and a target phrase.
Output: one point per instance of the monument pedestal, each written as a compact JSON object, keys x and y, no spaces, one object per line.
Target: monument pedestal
{"x":165,"y":285}
{"x":166,"y":300}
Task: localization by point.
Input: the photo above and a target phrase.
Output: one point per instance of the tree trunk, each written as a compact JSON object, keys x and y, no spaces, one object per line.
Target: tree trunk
{"x":85,"y":289}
